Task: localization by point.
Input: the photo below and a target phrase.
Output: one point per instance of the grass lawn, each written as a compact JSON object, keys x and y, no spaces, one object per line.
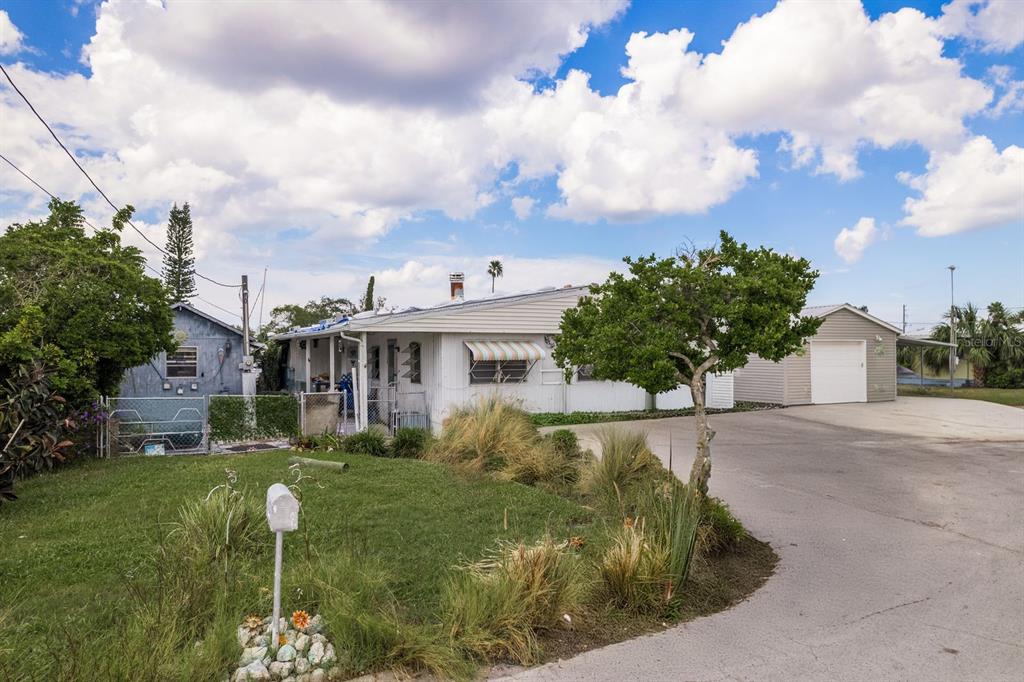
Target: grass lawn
{"x":79,"y":547}
{"x":72,"y":536}
{"x":1004,"y":396}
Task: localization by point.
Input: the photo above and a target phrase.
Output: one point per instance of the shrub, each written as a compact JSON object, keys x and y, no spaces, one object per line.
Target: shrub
{"x":324,"y":442}
{"x":373,"y":441}
{"x":566,"y":442}
{"x":484,"y":436}
{"x":32,"y":427}
{"x":625,"y":462}
{"x":238,"y":418}
{"x":719,"y":530}
{"x":634,"y":570}
{"x":410,"y":442}
{"x":494,"y":608}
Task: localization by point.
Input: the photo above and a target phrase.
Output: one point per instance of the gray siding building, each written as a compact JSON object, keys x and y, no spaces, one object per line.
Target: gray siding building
{"x":852,"y":358}
{"x":206,"y":362}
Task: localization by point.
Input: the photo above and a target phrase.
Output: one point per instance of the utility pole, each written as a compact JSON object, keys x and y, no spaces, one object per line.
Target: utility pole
{"x":952,"y":328}
{"x":249,"y":373}
{"x":904,"y":318}
{"x":245,"y":317}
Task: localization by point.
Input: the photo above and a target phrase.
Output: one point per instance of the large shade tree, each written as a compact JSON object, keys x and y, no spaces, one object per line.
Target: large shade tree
{"x":673,"y":320}
{"x":80,"y":305}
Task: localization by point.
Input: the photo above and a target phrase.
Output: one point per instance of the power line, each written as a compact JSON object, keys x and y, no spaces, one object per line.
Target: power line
{"x":93,"y":182}
{"x":229,"y":312}
{"x":48,"y":192}
{"x":96,"y":229}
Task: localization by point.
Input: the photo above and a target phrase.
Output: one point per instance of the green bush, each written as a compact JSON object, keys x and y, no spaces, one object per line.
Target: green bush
{"x":410,"y":442}
{"x":560,"y":419}
{"x":373,"y":441}
{"x":32,"y":430}
{"x":276,"y":415}
{"x":719,"y":530}
{"x":566,"y":442}
{"x":229,"y":418}
{"x":324,"y":442}
{"x":270,"y":416}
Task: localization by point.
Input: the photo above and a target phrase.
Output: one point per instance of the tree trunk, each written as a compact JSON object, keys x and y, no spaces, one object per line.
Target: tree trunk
{"x":701,"y":471}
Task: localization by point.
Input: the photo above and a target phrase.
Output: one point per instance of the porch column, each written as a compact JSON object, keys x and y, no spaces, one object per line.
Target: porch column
{"x":364,"y":382}
{"x":309,"y":366}
{"x":331,"y":343}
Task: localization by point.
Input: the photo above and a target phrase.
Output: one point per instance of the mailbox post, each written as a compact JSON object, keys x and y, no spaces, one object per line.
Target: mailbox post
{"x":282,"y":517}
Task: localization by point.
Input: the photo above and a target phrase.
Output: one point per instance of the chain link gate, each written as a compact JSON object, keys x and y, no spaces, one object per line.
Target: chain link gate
{"x":156,"y":426}
{"x":330,"y":413}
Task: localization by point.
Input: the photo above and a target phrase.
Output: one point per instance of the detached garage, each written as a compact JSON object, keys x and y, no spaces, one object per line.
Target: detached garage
{"x":852,"y":359}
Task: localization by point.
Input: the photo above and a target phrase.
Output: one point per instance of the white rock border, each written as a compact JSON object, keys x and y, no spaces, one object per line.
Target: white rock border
{"x":305,"y":656}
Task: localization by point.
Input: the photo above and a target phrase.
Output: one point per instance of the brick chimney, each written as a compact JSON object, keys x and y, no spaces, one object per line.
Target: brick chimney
{"x":455,"y":282}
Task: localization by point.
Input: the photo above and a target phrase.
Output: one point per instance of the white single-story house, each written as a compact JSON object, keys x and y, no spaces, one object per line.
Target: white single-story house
{"x":420,"y":363}
{"x":851,"y":359}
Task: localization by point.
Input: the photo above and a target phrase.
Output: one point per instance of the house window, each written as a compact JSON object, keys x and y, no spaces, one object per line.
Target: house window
{"x":183,"y":363}
{"x":499,"y":372}
{"x":414,"y":373}
{"x":585,"y":373}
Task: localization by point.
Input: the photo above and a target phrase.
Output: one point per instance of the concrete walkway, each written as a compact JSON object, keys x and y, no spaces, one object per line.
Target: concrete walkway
{"x":902,"y":557}
{"x":947,"y":418}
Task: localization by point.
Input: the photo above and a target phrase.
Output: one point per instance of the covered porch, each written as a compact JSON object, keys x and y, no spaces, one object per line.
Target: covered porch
{"x":350,"y":381}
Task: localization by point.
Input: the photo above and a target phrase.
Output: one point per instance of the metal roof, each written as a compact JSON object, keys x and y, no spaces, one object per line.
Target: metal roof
{"x":826,"y":310}
{"x":367,"y":319}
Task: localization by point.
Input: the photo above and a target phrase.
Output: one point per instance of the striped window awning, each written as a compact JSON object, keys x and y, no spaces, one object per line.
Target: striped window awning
{"x":490,"y":351}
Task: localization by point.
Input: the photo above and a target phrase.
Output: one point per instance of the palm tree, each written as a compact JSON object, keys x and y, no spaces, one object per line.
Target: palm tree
{"x":495,"y":270}
{"x":981,"y":342}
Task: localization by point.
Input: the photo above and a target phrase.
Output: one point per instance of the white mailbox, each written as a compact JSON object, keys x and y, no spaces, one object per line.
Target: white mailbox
{"x":282,"y":509}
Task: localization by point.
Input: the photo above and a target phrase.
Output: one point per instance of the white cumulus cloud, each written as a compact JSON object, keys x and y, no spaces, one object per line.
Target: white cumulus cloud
{"x":523,"y":206}
{"x":851,"y":242}
{"x":997,"y":25}
{"x":977,"y":186}
{"x":11,"y":39}
{"x":440,"y":53}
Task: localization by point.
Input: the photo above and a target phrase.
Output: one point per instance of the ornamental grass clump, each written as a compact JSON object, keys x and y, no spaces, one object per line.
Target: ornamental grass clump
{"x":224,"y":525}
{"x":633,"y":572}
{"x":494,"y":609}
{"x":625,"y":462}
{"x":485,"y":436}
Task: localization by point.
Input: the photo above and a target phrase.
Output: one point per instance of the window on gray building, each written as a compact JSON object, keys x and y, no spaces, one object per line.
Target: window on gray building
{"x":183,"y":363}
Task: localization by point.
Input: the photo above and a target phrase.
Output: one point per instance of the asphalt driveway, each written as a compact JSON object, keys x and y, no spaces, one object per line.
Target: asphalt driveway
{"x":902,"y":556}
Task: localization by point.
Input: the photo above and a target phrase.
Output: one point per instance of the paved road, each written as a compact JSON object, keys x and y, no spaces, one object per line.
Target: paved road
{"x":902,"y":558}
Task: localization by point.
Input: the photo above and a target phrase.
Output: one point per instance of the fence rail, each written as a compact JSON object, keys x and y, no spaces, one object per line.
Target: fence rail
{"x":156,"y":426}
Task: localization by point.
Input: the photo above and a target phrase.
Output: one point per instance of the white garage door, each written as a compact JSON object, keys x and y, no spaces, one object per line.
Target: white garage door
{"x":839,"y":372}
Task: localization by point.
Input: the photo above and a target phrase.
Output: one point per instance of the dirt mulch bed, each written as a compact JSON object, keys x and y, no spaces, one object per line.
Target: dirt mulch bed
{"x":716,"y":584}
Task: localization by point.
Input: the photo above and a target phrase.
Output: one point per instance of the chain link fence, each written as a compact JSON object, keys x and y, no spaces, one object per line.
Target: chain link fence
{"x":156,"y":426}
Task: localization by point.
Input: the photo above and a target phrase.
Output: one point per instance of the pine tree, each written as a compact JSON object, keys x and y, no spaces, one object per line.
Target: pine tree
{"x":368,"y":299}
{"x":179,"y":263}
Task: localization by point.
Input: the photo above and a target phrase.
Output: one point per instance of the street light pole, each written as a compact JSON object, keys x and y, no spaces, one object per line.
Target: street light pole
{"x":952,"y":328}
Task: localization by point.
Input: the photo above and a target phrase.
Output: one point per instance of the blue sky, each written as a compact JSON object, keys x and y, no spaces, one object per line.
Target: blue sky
{"x":425,"y":220}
